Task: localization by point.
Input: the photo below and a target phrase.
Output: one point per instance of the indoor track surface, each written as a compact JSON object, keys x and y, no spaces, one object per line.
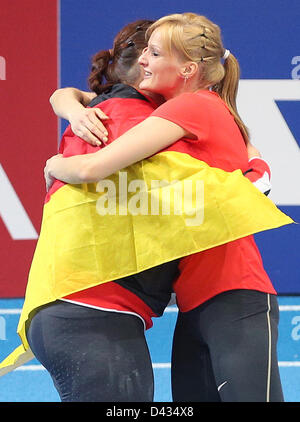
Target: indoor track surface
{"x":32,"y":383}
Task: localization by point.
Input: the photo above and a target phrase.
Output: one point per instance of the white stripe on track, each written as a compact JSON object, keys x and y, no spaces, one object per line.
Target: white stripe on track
{"x":289,"y":364}
{"x":31,"y":368}
{"x":289,"y":307}
{"x":10,"y":311}
{"x":165,"y":365}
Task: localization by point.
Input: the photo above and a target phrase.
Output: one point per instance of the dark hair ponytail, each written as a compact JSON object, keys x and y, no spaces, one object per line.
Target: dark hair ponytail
{"x":120,"y":63}
{"x":100,"y":62}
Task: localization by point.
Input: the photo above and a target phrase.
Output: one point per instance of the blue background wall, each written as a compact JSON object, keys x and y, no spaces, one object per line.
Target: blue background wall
{"x":264,"y":36}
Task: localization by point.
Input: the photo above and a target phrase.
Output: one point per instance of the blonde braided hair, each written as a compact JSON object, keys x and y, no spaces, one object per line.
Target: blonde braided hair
{"x":194,"y":37}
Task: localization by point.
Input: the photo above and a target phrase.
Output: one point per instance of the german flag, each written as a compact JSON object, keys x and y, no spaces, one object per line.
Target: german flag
{"x":165,"y":207}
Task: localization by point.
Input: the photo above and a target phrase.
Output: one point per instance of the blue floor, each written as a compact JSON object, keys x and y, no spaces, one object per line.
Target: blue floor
{"x":31,"y":383}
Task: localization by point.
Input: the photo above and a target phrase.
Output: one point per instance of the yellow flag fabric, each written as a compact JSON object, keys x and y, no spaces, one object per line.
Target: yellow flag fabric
{"x":160,"y":209}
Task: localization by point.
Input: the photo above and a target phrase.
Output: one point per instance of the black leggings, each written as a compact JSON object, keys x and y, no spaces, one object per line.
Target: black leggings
{"x":225,"y":350}
{"x":92,"y":355}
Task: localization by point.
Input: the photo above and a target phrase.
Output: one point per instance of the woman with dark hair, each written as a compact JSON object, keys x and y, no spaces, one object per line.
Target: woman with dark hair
{"x":92,"y":340}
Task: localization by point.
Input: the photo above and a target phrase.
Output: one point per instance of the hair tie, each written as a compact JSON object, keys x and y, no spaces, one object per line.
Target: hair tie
{"x":226,"y":54}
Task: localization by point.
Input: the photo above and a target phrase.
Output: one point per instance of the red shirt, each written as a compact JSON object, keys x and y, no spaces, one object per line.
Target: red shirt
{"x":235,"y":265}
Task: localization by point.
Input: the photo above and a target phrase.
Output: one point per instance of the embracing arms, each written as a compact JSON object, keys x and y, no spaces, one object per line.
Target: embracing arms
{"x":71,"y":104}
{"x":142,"y":141}
{"x":66,"y":100}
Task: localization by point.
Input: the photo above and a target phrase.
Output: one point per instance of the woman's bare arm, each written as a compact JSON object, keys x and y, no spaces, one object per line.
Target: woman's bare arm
{"x":70,"y":104}
{"x":147,"y":138}
{"x":65,"y":100}
{"x":142,"y":141}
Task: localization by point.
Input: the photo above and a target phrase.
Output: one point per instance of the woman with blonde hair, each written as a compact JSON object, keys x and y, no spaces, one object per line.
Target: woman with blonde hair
{"x":224,"y":346}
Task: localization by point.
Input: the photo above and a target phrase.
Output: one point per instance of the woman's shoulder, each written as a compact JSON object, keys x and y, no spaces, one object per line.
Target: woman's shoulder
{"x":190,"y":102}
{"x":195,"y":98}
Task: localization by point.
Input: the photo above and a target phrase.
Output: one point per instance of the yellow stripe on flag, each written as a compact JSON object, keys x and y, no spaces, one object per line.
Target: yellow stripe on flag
{"x":160,"y":209}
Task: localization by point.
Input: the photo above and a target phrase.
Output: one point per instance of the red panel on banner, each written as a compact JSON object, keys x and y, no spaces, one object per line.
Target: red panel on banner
{"x":28,"y":130}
